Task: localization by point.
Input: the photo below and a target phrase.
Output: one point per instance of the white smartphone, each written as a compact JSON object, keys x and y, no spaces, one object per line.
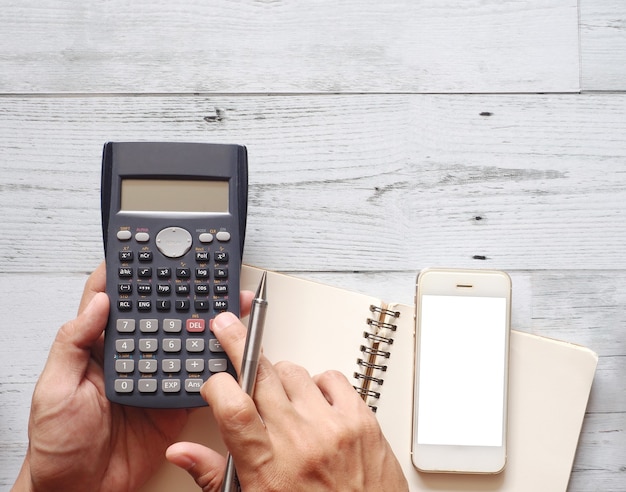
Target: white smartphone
{"x":461,"y":371}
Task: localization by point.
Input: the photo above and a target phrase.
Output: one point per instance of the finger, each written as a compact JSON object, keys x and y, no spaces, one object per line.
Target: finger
{"x":356,"y":416}
{"x":239,"y":422}
{"x":300,"y":388}
{"x":231,"y":333}
{"x":95,"y":283}
{"x":339,"y":392}
{"x":204,"y":465}
{"x":71,"y":349}
{"x":245,"y":301}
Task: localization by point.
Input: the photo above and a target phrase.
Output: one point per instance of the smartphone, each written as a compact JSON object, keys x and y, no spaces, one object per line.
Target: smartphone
{"x":461,"y":371}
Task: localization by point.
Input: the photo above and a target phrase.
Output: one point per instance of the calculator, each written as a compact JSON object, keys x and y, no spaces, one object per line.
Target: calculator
{"x":173,"y":223}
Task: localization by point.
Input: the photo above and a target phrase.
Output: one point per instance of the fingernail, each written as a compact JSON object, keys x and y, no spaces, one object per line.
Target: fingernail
{"x":90,"y":307}
{"x":223,"y":320}
{"x":183,"y":461}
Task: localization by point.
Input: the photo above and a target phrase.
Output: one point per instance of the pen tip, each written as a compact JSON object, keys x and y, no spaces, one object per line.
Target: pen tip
{"x":260,"y":293}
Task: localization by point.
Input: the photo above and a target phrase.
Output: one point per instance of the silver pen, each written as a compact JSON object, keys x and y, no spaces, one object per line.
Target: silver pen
{"x":249,"y":366}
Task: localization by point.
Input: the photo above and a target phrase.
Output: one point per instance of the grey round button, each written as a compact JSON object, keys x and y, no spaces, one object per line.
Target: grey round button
{"x":173,"y":242}
{"x":223,"y":236}
{"x":124,"y":235}
{"x":142,"y":237}
{"x":205,"y":237}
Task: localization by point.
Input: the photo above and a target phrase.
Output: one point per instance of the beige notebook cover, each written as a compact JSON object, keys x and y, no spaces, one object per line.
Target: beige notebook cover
{"x":323,"y":327}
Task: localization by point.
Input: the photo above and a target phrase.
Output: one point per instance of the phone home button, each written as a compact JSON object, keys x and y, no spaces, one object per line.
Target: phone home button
{"x":174,"y":242}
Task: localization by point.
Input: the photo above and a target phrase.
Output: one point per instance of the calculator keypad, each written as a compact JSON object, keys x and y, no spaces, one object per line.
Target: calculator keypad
{"x":163,"y":308}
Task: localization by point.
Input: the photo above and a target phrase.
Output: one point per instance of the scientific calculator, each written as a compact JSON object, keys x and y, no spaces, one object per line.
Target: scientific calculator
{"x":173,"y":223}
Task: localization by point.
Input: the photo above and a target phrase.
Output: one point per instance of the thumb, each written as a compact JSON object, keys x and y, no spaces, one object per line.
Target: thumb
{"x":71,"y":349}
{"x":204,"y":465}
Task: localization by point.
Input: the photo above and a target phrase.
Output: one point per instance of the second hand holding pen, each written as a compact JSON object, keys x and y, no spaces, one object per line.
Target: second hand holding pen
{"x":249,"y":366}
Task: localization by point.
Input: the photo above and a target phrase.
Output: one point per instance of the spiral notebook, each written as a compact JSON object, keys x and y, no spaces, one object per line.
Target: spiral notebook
{"x":371,"y":342}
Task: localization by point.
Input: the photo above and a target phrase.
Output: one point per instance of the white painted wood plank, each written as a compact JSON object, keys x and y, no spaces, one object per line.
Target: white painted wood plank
{"x":325,"y":46}
{"x":487,"y":46}
{"x":373,"y":182}
{"x":600,"y":467}
{"x":603,"y":45}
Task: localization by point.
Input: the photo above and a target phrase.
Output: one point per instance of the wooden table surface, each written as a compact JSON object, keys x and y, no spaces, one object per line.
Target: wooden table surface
{"x":383,"y":137}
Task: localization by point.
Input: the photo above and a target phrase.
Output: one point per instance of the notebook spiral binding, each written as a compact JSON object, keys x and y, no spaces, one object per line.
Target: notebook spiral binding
{"x":375,"y":354}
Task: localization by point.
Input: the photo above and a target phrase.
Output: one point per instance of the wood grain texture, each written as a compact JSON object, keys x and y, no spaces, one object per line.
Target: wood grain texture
{"x":456,"y":47}
{"x":268,"y":46}
{"x":365,"y":166}
{"x":603,"y":45}
{"x":520,"y":182}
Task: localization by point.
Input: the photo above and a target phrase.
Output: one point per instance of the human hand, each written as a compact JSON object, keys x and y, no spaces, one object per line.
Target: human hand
{"x":298,"y":433}
{"x":78,"y":440}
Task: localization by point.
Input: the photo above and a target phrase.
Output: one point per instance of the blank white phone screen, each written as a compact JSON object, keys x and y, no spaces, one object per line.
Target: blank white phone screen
{"x":461,"y":370}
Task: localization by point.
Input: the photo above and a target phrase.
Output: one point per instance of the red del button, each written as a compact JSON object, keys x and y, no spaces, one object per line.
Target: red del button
{"x":195,"y":325}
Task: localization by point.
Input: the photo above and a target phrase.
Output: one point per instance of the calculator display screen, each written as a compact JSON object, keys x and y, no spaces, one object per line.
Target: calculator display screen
{"x":173,"y":195}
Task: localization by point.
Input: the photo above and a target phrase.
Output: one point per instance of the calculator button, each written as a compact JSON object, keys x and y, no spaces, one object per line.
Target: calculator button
{"x":164,"y":289}
{"x":182,"y":289}
{"x":125,"y":288}
{"x":221,"y":273}
{"x":174,"y":242}
{"x":124,"y":345}
{"x":163,"y":305}
{"x":144,"y":272}
{"x":144,"y":305}
{"x":170,"y":365}
{"x":215,"y":345}
{"x":194,"y":365}
{"x":124,"y":272}
{"x":124,"y":305}
{"x":195,"y":345}
{"x":142,"y":237}
{"x":220,"y":289}
{"x":220,"y":305}
{"x":223,"y":236}
{"x":125,"y":325}
{"x":206,"y":238}
{"x":172,"y":325}
{"x":202,"y":273}
{"x":123,"y":385}
{"x":201,"y":289}
{"x":124,"y":235}
{"x":147,"y":366}
{"x":221,"y":257}
{"x":195,"y":325}
{"x":171,"y":344}
{"x":202,"y":256}
{"x":145,"y":385}
{"x":148,"y":325}
{"x":201,"y":305}
{"x":170,"y":385}
{"x":183,"y":305}
{"x":126,"y":256}
{"x":124,"y":365}
{"x":144,"y":289}
{"x":183,"y":273}
{"x":193,"y":385}
{"x":148,"y":344}
{"x":164,"y":273}
{"x":217,"y":365}
{"x":145,"y":256}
